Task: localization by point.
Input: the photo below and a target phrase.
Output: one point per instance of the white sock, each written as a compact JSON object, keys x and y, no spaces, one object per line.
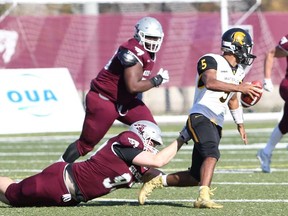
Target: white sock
{"x":275,"y":138}
{"x":164,"y":180}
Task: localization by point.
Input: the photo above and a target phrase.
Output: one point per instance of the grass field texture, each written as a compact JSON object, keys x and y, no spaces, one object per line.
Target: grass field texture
{"x":241,"y":186}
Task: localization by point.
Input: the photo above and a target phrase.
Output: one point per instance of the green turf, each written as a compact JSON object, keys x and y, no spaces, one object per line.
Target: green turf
{"x":241,"y":187}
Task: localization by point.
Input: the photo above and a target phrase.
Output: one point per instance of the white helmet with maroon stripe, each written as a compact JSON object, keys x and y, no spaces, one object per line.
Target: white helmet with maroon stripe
{"x":148,"y":31}
{"x":147,"y":131}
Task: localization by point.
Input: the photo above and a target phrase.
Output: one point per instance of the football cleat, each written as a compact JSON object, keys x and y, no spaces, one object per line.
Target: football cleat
{"x":148,"y":187}
{"x":265,"y":161}
{"x":204,"y":201}
{"x":207,"y":204}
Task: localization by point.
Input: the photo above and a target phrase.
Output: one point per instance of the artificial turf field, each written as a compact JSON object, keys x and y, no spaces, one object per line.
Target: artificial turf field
{"x":241,"y":187}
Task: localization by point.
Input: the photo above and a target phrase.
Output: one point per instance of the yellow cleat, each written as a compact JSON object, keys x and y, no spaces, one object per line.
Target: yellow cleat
{"x":207,"y":204}
{"x":148,"y":187}
{"x":204,"y":201}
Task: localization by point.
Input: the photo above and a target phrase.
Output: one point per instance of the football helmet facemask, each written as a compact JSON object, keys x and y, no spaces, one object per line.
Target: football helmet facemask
{"x":149,"y":33}
{"x":238,"y":42}
{"x":148,"y":132}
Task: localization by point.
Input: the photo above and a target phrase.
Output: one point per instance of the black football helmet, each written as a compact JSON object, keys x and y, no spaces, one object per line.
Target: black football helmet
{"x":239,"y":42}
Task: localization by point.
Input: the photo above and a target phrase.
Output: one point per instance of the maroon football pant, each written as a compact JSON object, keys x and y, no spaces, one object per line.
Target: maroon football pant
{"x":100,"y":115}
{"x":43,"y":189}
{"x":283,"y":90}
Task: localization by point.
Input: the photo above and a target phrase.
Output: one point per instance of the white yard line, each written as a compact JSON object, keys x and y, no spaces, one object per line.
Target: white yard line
{"x":29,"y":153}
{"x":232,"y":171}
{"x":20,"y":170}
{"x":16,"y":139}
{"x":191,"y":200}
{"x":251,"y":183}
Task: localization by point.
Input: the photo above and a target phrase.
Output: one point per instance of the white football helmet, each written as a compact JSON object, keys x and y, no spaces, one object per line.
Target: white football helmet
{"x":149,"y":33}
{"x":147,"y":131}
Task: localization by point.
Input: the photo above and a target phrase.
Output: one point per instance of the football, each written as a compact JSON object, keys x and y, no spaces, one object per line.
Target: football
{"x":247,"y":101}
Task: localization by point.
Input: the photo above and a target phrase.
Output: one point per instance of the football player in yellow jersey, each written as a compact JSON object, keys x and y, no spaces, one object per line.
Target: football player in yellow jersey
{"x":219,"y":79}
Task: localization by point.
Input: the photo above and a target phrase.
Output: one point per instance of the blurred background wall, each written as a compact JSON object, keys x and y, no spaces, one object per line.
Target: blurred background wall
{"x":82,"y":38}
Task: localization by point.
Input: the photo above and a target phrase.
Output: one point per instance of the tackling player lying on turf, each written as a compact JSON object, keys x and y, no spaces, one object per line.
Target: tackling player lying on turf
{"x":120,"y":162}
{"x":219,"y":78}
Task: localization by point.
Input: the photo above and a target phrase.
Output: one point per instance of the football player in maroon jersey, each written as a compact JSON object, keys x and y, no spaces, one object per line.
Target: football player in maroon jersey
{"x":113,"y":93}
{"x":280,"y":51}
{"x":120,"y":162}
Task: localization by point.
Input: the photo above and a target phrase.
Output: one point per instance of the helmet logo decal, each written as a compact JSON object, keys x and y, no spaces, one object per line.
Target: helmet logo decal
{"x":238,"y":37}
{"x":147,"y":131}
{"x":140,"y":128}
{"x":238,"y":42}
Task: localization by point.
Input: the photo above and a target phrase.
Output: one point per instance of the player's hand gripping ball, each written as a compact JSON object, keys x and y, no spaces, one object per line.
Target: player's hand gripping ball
{"x":247,"y":101}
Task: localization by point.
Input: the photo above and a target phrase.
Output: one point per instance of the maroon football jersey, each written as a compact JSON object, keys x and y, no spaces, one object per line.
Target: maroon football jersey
{"x":105,"y":171}
{"x":110,"y":81}
{"x":283,"y":43}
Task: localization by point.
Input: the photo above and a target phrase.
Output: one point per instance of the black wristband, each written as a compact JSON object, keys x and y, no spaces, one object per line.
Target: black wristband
{"x":157,"y":80}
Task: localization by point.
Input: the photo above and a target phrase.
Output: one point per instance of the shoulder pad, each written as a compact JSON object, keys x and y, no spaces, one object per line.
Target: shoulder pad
{"x":206,"y":62}
{"x":126,"y":57}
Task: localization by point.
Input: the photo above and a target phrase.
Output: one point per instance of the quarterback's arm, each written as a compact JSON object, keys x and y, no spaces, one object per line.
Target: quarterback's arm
{"x":233,"y":103}
{"x":209,"y":78}
{"x":160,"y":159}
{"x":210,"y":81}
{"x":207,"y":70}
{"x":236,"y":110}
{"x":237,"y":114}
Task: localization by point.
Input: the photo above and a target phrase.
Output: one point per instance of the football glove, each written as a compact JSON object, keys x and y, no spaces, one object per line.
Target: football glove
{"x":161,"y":78}
{"x":164,"y":74}
{"x":268,"y":85}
